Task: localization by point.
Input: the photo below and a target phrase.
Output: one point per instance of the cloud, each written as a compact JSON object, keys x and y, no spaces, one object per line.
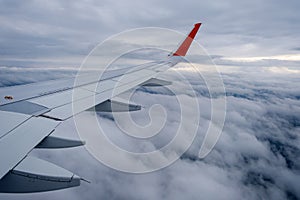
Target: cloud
{"x":278,"y":61}
{"x":10,"y":76}
{"x":256,"y":157}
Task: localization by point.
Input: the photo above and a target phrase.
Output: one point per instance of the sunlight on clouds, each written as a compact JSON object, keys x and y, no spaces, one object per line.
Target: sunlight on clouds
{"x":287,"y":57}
{"x":283,"y":70}
{"x":194,"y":67}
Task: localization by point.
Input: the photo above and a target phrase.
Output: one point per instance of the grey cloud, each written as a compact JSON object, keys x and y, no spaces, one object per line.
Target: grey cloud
{"x":261,"y":63}
{"x":296,"y":49}
{"x":10,"y":76}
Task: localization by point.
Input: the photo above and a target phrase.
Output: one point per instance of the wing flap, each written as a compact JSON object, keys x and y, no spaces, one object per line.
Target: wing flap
{"x":52,"y":142}
{"x":154,"y":82}
{"x":36,"y":175}
{"x":115,"y":106}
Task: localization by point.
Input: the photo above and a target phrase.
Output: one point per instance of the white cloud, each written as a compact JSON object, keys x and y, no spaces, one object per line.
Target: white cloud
{"x":257,"y":155}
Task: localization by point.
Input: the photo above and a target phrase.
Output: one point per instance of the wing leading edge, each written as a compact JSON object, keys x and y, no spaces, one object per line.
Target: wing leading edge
{"x":29,"y":118}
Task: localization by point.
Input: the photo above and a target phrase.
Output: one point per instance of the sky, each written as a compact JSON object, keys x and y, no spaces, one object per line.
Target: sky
{"x":62,"y":33}
{"x":255,"y":46}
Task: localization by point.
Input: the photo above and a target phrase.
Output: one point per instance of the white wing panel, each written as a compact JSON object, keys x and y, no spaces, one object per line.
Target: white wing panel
{"x":10,"y":120}
{"x":135,"y":75}
{"x":20,"y":141}
{"x":101,"y":86}
{"x":61,"y":98}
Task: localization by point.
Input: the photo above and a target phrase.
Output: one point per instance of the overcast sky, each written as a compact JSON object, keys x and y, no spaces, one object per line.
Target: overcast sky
{"x":61,"y":33}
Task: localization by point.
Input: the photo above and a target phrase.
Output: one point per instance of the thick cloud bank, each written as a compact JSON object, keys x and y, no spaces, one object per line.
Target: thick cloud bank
{"x":257,"y":156}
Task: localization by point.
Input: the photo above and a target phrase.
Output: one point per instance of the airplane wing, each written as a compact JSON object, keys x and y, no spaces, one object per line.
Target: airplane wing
{"x":30,"y":113}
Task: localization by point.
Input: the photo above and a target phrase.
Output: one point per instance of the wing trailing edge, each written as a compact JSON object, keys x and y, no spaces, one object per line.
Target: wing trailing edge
{"x":155,"y":82}
{"x":52,"y":142}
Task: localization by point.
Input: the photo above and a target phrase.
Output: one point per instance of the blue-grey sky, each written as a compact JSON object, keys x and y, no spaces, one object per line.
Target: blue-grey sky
{"x":61,"y":33}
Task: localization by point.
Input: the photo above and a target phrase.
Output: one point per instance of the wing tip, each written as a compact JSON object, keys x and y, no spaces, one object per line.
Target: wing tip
{"x":198,"y":24}
{"x":184,"y":47}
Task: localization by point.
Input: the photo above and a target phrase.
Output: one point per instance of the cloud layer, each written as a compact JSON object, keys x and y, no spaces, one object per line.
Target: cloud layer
{"x":257,"y":156}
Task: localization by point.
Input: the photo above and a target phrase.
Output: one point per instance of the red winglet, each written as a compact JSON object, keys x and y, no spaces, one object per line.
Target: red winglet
{"x":184,"y":47}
